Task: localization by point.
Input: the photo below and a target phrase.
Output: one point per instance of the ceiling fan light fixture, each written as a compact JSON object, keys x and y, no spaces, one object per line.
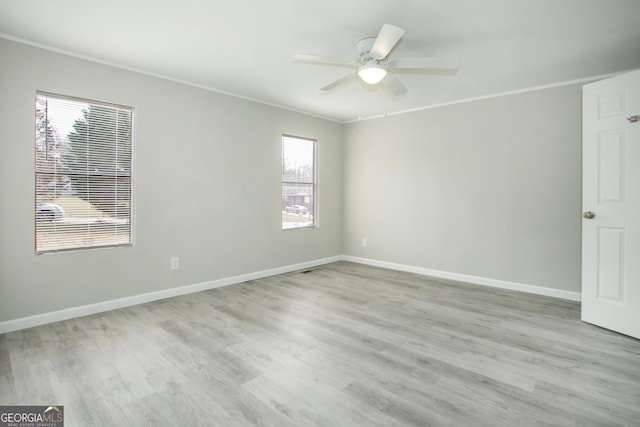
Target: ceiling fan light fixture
{"x":372,"y":73}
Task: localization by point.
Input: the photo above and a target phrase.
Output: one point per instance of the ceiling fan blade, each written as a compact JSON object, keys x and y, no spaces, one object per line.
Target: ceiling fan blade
{"x":394,"y":85}
{"x":446,"y":65}
{"x":386,"y":40}
{"x":325,"y":60}
{"x":339,"y":82}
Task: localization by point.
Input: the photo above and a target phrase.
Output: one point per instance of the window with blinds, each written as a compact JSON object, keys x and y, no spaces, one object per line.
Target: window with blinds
{"x":298,"y":182}
{"x":83,"y":174}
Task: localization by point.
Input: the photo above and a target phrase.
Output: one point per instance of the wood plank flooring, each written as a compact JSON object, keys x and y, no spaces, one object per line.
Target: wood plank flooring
{"x":342,"y":345}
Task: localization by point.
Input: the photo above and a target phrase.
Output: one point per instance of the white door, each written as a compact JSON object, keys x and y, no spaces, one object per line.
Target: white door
{"x":611,"y":203}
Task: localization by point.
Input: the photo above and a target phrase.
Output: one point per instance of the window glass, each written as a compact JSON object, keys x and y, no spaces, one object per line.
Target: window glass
{"x":83,"y":174}
{"x":298,"y":182}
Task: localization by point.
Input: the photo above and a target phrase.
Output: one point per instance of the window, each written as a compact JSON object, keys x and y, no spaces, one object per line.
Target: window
{"x":83,"y":165}
{"x":298,"y":182}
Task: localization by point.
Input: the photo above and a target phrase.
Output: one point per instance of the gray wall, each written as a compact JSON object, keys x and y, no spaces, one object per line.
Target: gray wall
{"x":490,"y":188}
{"x":207,"y":187}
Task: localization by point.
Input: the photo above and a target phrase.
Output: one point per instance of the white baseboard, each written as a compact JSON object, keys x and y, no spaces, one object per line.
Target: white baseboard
{"x":84,"y":310}
{"x":514,"y":286}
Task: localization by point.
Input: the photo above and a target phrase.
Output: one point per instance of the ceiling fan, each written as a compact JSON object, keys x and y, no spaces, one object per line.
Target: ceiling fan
{"x":374,"y":66}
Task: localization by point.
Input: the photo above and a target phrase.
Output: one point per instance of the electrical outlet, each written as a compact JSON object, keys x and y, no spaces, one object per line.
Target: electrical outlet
{"x":364,"y":241}
{"x":175,"y":263}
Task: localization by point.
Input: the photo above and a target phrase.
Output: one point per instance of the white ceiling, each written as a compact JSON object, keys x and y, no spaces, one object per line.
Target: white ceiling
{"x":245,"y":47}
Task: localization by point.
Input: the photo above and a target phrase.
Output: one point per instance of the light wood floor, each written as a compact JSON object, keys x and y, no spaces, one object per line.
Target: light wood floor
{"x":342,"y":345}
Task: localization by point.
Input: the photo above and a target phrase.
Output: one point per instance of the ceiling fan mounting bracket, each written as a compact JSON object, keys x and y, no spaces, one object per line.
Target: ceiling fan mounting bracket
{"x":363,"y":48}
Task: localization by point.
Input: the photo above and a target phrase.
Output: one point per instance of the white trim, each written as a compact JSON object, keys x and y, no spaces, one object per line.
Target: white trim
{"x":492,"y":95}
{"x":85,"y":310}
{"x":514,"y":286}
{"x":212,"y":89}
{"x":157,"y":75}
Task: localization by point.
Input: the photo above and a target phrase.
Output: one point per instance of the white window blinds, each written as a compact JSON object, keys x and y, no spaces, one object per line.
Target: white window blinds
{"x":83,"y":174}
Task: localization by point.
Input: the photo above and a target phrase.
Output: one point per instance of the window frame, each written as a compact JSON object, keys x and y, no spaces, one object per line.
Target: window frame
{"x":128,"y":177}
{"x":314,"y":184}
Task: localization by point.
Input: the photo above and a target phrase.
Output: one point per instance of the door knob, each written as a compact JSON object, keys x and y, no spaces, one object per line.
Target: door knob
{"x":588,"y":215}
